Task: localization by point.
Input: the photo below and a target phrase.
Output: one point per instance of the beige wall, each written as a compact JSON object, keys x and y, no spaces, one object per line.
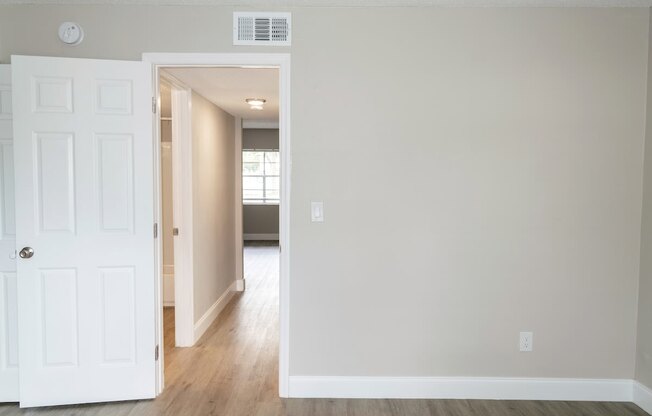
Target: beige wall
{"x":213,"y":181}
{"x":481,"y":171}
{"x":644,"y":338}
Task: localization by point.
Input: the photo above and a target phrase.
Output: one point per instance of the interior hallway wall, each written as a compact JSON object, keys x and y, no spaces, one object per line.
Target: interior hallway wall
{"x":213,"y":179}
{"x":481,"y":170}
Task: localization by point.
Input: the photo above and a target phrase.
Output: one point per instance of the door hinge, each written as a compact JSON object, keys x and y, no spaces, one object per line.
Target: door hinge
{"x":155,"y":230}
{"x":154,"y":105}
{"x":175,"y":231}
{"x":156,"y":353}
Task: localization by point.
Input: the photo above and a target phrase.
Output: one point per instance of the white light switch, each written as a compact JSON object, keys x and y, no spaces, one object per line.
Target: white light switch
{"x":317,"y":211}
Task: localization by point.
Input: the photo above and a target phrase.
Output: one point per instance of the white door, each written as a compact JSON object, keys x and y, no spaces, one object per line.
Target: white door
{"x":83,"y":152}
{"x":8,"y":305}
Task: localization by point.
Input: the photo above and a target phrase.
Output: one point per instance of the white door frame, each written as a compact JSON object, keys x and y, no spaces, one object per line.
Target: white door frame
{"x":186,"y":331}
{"x":9,"y":391}
{"x":182,"y":210}
{"x":282,"y":62}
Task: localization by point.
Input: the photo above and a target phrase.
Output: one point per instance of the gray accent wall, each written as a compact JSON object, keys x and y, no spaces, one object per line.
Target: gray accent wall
{"x":259,"y":139}
{"x":260,"y":220}
{"x":481,"y":171}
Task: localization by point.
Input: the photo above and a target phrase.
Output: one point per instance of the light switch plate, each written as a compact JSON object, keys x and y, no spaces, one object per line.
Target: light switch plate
{"x":317,"y":211}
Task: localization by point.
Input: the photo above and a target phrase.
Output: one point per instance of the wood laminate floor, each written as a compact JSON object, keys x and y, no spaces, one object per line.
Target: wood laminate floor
{"x":233,"y":371}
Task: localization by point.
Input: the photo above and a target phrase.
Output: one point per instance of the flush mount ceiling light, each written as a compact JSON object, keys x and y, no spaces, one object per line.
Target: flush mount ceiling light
{"x":255,"y":102}
{"x":256,"y":107}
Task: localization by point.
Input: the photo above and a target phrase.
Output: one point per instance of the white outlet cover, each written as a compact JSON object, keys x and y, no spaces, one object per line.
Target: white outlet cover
{"x":525,"y":341}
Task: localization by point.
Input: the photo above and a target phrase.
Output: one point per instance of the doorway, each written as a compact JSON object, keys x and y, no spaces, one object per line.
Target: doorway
{"x":184,"y":79}
{"x":113,"y":184}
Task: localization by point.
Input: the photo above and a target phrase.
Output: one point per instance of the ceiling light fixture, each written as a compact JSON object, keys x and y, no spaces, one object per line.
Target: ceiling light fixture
{"x":256,"y":102}
{"x":256,"y":107}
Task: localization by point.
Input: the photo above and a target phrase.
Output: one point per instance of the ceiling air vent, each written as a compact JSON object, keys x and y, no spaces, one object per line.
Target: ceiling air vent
{"x":253,"y":28}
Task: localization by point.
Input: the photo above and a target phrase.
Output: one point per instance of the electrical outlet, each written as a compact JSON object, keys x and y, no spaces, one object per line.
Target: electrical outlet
{"x":526,"y":341}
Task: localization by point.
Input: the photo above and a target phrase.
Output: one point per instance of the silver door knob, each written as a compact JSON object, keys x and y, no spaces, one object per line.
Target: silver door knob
{"x":26,"y":253}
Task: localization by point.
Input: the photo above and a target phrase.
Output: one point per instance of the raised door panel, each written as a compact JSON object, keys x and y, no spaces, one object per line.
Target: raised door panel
{"x":113,"y":97}
{"x":116,"y":182}
{"x":118,"y":316}
{"x":59,"y":311}
{"x":55,"y":185}
{"x":52,"y":95}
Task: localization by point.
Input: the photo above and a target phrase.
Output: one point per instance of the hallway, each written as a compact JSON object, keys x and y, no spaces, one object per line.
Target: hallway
{"x":237,"y":358}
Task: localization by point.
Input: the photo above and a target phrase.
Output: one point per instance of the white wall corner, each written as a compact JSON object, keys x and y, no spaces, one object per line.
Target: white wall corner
{"x":642,"y":397}
{"x":240,"y":285}
{"x":213,"y":312}
{"x":610,"y":390}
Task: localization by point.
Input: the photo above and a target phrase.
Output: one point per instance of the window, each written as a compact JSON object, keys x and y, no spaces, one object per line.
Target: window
{"x":260,"y":177}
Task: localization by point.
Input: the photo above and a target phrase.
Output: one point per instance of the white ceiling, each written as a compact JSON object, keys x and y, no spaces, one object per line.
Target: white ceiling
{"x":229,"y":87}
{"x":358,"y":3}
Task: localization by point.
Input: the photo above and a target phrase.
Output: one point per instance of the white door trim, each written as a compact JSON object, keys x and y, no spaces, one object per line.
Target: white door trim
{"x":8,"y":295}
{"x":281,"y":61}
{"x":182,"y":212}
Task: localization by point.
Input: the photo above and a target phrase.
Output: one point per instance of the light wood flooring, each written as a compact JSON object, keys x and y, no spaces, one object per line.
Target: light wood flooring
{"x":233,"y":371}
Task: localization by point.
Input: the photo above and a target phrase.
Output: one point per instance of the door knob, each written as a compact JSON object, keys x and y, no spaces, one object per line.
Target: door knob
{"x":26,"y":253}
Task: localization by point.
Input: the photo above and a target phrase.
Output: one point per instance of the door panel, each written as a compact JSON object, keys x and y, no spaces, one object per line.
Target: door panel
{"x":84,"y":202}
{"x":54,"y":183}
{"x":8,"y":294}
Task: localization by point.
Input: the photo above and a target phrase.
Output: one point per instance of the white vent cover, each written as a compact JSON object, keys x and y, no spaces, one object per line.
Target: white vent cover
{"x":262,"y":28}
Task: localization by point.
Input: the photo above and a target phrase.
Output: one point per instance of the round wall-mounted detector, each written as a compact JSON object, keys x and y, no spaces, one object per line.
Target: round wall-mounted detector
{"x":71,"y":33}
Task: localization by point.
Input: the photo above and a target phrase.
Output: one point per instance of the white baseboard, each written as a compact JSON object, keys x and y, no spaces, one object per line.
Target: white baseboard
{"x":207,"y":319}
{"x":260,"y":237}
{"x":240,"y":285}
{"x":643,"y":397}
{"x":462,"y":388}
